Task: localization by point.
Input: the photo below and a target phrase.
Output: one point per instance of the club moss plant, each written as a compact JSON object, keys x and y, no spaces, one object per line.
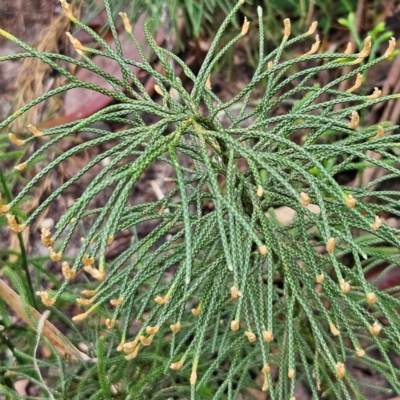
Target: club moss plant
{"x":247,"y":292}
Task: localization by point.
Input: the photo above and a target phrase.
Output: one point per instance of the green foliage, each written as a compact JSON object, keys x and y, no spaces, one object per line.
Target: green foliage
{"x":248,"y":279}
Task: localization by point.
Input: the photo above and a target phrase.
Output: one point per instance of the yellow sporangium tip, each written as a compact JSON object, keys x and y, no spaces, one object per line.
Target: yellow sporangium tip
{"x":13,"y":224}
{"x":245,"y":26}
{"x":55,"y":256}
{"x":376,"y":94}
{"x":84,"y":302}
{"x":330,"y":245}
{"x":95,"y":273}
{"x":46,"y":237}
{"x":125,"y":20}
{"x":152,"y":330}
{"x":110,"y":239}
{"x":88,"y":293}
{"x":314,"y":47}
{"x":87,"y":261}
{"x":116,"y":302}
{"x":377,"y":223}
{"x":161,"y":300}
{"x":120,"y":347}
{"x":158,"y":90}
{"x":334,"y":330}
{"x":72,"y":220}
{"x":110,"y":323}
{"x":81,"y":317}
{"x":263,"y":250}
{"x":132,"y":355}
{"x":46,"y":300}
{"x":128,"y":347}
{"x":15,"y":140}
{"x":75,"y":42}
{"x":177,"y":365}
{"x":360,"y":352}
{"x":355,"y":120}
{"x":266,"y":369}
{"x":364,"y":53}
{"x":349,"y":48}
{"x":67,"y":272}
{"x":234,"y":325}
{"x":146,"y":341}
{"x":265,"y":385}
{"x":312,"y":28}
{"x":176,"y":327}
{"x":304,"y":199}
{"x":20,"y":167}
{"x":35,"y":131}
{"x":196,"y":311}
{"x":287,"y":29}
{"x":359,"y":80}
{"x":380,"y":133}
{"x":350,"y":201}
{"x":66,"y":9}
{"x":390,"y":49}
{"x":208,"y":82}
{"x":320,"y":278}
{"x":268,"y":336}
{"x":291,"y":373}
{"x":235,"y":292}
{"x":193,"y":377}
{"x":260,"y":191}
{"x":4,"y":208}
{"x":371,"y":298}
{"x":345,"y":286}
{"x":250,"y":336}
{"x":340,"y":370}
{"x":270,"y":64}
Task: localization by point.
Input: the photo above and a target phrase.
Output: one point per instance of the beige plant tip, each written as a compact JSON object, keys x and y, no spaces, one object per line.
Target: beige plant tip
{"x":193,"y":377}
{"x":95,"y":273}
{"x":345,"y":287}
{"x":245,"y":26}
{"x":293,"y":398}
{"x":132,"y":355}
{"x":375,"y":329}
{"x":89,"y":293}
{"x":334,"y":330}
{"x":330,"y":245}
{"x":87,"y":261}
{"x":116,"y":302}
{"x":355,"y":120}
{"x":110,"y":240}
{"x":196,"y":311}
{"x":15,"y":140}
{"x":270,"y":64}
{"x":75,"y":42}
{"x":375,"y":94}
{"x":84,"y":302}
{"x":152,"y":330}
{"x":158,"y":90}
{"x":314,"y":47}
{"x":357,"y":84}
{"x":391,"y":47}
{"x":260,"y":191}
{"x":20,"y":167}
{"x":263,"y":250}
{"x":128,"y":347}
{"x":350,"y":201}
{"x":320,"y":278}
{"x":161,"y":300}
{"x":268,"y":336}
{"x":46,"y":237}
{"x":67,"y":272}
{"x":110,"y":323}
{"x":265,"y":385}
{"x":177,"y":365}
{"x":340,"y":369}
{"x":250,"y":336}
{"x":291,"y":373}
{"x":234,"y":325}
{"x":120,"y":347}
{"x":46,"y":299}
{"x":4,"y":208}
{"x":146,"y":341}
{"x":379,"y":134}
{"x":14,"y":225}
{"x":266,"y":369}
{"x":125,"y":20}
{"x":360,"y":352}
{"x":287,"y":29}
{"x":208,"y":82}
{"x":55,"y":256}
{"x":66,"y":9}
{"x":176,"y":327}
{"x":349,"y":48}
{"x":235,"y":293}
{"x":312,"y":28}
{"x":364,"y":53}
{"x":377,"y":223}
{"x":35,"y":131}
{"x":304,"y":199}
